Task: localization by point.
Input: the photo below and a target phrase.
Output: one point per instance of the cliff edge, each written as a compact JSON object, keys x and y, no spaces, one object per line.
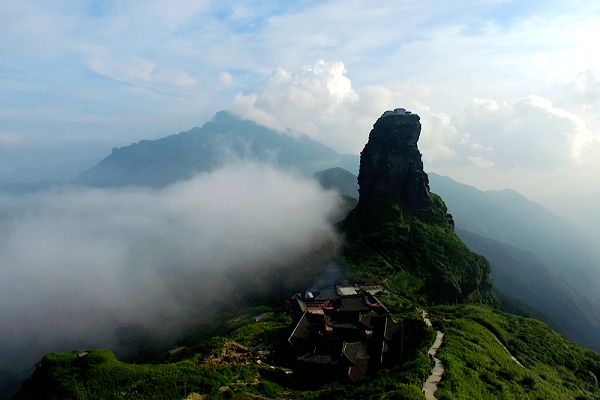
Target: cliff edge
{"x":391,"y":164}
{"x":403,"y":232}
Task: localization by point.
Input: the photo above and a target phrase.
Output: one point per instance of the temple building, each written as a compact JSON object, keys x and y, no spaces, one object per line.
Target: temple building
{"x":341,"y":334}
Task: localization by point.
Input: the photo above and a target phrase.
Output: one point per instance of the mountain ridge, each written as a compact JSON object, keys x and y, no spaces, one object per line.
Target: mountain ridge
{"x":225,"y":138}
{"x":339,"y":179}
{"x":496,"y":214}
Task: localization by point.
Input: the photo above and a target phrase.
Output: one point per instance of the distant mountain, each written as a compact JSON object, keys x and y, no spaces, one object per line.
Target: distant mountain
{"x":581,"y":210}
{"x":520,"y":275}
{"x":338,"y":179}
{"x":536,"y":256}
{"x":31,"y":180}
{"x":513,"y":306}
{"x":351,"y":163}
{"x":510,"y":218}
{"x":224,"y":139}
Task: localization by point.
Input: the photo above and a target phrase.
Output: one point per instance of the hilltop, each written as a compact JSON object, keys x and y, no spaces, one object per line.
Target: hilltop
{"x":338,"y":179}
{"x":401,"y":230}
{"x":226,"y":138}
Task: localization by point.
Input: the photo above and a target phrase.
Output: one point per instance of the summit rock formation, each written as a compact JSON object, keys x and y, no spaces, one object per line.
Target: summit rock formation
{"x":401,"y":231}
{"x":391,"y":165}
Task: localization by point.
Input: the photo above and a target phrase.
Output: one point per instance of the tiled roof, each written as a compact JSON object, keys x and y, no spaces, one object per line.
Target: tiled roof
{"x":390,"y":329}
{"x":326,"y":352}
{"x":355,"y":303}
{"x":305,"y":325}
{"x":350,"y":350}
{"x":328,"y":293}
{"x":346,"y":320}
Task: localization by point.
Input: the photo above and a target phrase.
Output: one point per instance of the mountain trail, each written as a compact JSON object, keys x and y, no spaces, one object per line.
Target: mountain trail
{"x":504,"y":347}
{"x":430,"y":386}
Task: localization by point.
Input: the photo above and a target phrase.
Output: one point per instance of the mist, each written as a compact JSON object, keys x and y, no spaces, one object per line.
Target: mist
{"x":79,"y":264}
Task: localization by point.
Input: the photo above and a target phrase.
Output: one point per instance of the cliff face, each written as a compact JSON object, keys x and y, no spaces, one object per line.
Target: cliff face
{"x":401,"y":231}
{"x":391,"y":165}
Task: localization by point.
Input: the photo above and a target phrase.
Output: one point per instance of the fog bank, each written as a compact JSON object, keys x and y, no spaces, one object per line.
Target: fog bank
{"x":78,"y":263}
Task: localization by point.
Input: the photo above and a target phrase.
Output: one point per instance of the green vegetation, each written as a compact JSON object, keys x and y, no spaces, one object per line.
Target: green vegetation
{"x":477,"y":367}
{"x":422,"y":262}
{"x":99,"y":375}
{"x":418,"y":253}
{"x":405,"y":283}
{"x":338,"y":179}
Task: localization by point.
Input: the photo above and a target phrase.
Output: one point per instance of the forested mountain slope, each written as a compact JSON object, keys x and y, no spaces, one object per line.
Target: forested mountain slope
{"x":520,"y":275}
{"x":225,"y":139}
{"x":510,"y":218}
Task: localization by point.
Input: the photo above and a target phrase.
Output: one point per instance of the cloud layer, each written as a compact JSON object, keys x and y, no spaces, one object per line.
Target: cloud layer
{"x":129,"y":71}
{"x":93,"y":75}
{"x":77,"y":264}
{"x":319,"y":99}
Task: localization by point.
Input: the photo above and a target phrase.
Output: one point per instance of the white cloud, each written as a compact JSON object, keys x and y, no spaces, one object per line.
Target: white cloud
{"x":319,"y":100}
{"x":182,"y":79}
{"x":139,"y":71}
{"x":79,"y":263}
{"x":314,"y":100}
{"x":583,"y":90}
{"x":132,"y":71}
{"x":480,"y":162}
{"x":225,"y":78}
{"x":530,"y":132}
{"x":436,"y":61}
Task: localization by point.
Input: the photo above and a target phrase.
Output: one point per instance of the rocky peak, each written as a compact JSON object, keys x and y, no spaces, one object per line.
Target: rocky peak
{"x":391,"y":165}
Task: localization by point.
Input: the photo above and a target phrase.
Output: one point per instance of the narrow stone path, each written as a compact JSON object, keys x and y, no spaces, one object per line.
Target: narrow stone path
{"x":430,"y":386}
{"x":424,"y":316}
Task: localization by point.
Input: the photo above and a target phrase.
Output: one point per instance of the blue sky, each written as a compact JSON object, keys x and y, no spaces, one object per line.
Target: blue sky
{"x":507,"y":90}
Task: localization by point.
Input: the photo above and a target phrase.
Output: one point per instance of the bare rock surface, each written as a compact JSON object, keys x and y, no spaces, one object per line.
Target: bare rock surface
{"x":391,"y":164}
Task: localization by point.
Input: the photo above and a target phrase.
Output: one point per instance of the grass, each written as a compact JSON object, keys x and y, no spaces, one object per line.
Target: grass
{"x":418,"y":253}
{"x":478,"y":367}
{"x":99,"y":375}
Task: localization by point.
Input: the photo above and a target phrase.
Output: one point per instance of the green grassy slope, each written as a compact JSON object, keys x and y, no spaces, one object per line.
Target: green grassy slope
{"x":477,"y":367}
{"x":418,"y":253}
{"x":99,"y":375}
{"x":338,"y":179}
